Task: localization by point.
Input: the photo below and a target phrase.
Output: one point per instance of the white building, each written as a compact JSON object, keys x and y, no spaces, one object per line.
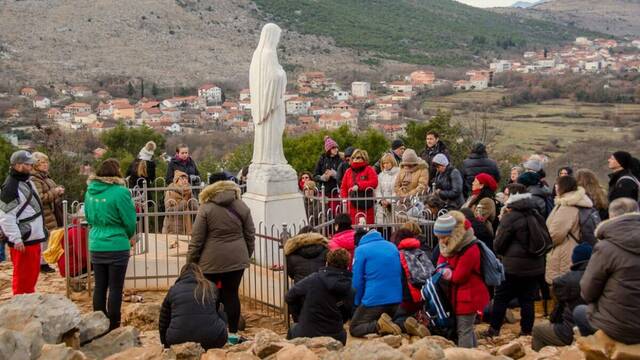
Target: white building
{"x":341,"y":95}
{"x":41,"y":102}
{"x":360,"y":89}
{"x":501,"y":66}
{"x":401,"y":87}
{"x":210,"y":93}
{"x":245,"y":94}
{"x":174,"y":128}
{"x":298,"y":106}
{"x":583,"y":41}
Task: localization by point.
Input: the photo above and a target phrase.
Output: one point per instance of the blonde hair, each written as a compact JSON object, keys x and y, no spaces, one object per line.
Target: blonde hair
{"x":359,"y":152}
{"x":412,"y":226}
{"x":589,"y":181}
{"x":141,"y":169}
{"x":40,"y":158}
{"x":388,"y":157}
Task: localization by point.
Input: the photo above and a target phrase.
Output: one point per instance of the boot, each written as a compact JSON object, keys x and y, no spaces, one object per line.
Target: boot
{"x":387,"y":327}
{"x":46,"y":269}
{"x":414,"y":328}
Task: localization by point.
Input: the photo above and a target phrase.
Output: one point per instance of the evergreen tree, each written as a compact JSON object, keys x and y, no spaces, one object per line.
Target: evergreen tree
{"x":154,"y":90}
{"x":130,"y":90}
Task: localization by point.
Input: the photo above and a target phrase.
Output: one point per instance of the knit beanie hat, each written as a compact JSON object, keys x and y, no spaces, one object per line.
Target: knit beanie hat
{"x":487,"y":180}
{"x":444,"y":225}
{"x":533,"y":165}
{"x":329,"y":143}
{"x":440,"y":159}
{"x":582,"y":252}
{"x":397,"y":144}
{"x":623,"y":158}
{"x":409,"y":157}
{"x":529,"y":178}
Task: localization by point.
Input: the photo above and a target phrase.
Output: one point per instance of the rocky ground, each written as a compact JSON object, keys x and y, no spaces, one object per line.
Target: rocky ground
{"x":46,"y":325}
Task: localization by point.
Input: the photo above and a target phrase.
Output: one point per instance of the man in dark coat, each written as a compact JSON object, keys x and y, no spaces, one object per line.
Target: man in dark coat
{"x":611,"y":282}
{"x":306,"y":253}
{"x":183,"y":162}
{"x":559,"y":332}
{"x":397,"y":149}
{"x":322,"y":301}
{"x":522,"y":269}
{"x":622,"y":182}
{"x":478,"y":162}
{"x":433,"y":147}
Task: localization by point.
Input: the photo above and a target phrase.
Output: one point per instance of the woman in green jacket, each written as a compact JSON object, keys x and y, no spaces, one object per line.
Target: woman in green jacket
{"x":112,"y":216}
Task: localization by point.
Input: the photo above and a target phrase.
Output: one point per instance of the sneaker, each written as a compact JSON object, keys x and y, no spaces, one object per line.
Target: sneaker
{"x":414,"y":328}
{"x":46,"y":269}
{"x":489,"y":333}
{"x":387,"y":327}
{"x":510,"y":317}
{"x":235,"y":339}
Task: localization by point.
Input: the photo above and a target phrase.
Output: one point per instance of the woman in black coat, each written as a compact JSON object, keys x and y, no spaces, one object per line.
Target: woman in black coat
{"x":190,"y":313}
{"x":306,"y":254}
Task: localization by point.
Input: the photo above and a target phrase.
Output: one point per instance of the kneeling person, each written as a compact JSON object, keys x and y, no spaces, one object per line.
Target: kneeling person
{"x":321,"y":301}
{"x":189,"y":312}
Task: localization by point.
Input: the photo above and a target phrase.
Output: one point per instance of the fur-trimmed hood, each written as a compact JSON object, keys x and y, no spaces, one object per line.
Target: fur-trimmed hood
{"x":623,"y":231}
{"x":221,"y":193}
{"x":459,"y":238}
{"x":302,"y":240}
{"x":577,"y":198}
{"x":112,"y":180}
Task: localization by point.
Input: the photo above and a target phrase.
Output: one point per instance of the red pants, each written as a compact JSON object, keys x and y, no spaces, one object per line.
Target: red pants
{"x":26,"y":268}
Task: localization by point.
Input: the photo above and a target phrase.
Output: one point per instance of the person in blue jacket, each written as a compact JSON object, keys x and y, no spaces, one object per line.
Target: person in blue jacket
{"x":377,"y":280}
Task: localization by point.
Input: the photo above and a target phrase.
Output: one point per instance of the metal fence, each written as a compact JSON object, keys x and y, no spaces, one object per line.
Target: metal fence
{"x":163,"y":234}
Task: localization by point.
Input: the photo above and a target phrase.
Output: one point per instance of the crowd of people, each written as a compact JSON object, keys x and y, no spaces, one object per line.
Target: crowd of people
{"x":572,"y":242}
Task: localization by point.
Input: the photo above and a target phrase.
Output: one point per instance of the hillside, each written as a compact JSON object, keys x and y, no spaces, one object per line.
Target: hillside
{"x":165,"y":41}
{"x":615,"y":17}
{"x":417,"y":31}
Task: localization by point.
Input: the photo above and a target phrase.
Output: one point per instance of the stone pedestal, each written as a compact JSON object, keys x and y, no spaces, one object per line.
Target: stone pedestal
{"x":273,"y":197}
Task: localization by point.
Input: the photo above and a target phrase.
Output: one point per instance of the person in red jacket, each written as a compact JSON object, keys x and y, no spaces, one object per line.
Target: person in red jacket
{"x":469,"y":294}
{"x":344,"y":236}
{"x":359,"y":181}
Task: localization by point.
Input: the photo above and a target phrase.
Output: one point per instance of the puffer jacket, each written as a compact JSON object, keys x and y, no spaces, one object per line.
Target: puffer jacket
{"x":449,"y":186}
{"x":564,"y":227}
{"x":386,"y":188}
{"x":223,"y":237}
{"x":50,"y":199}
{"x":185,"y":319}
{"x":343,"y":240}
{"x":566,"y":289}
{"x":177,"y":199}
{"x":611,"y":282}
{"x":326,"y":162}
{"x":189,"y":167}
{"x":414,"y":181}
{"x":306,"y":253}
{"x":475,"y":164}
{"x":512,"y":239}
{"x":539,"y":193}
{"x":619,"y":187}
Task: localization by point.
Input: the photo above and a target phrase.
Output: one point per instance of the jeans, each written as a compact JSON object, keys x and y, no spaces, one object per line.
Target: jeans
{"x":229,"y":283}
{"x":109,"y":278}
{"x":464,"y":328}
{"x":365,"y":319}
{"x":581,"y":320}
{"x":544,"y":334}
{"x":3,"y":255}
{"x":524,"y":288}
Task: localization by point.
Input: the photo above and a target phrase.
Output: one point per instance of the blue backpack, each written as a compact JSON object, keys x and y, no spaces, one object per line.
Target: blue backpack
{"x":491,"y":268}
{"x":437,"y":304}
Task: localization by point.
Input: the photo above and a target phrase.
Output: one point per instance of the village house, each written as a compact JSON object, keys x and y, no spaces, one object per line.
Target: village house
{"x":242,"y":127}
{"x":342,"y":105}
{"x":174,"y":128}
{"x":12,"y":113}
{"x":122,"y":111}
{"x":53,"y":113}
{"x":245,"y":94}
{"x":104,"y":109}
{"x":170,"y":114}
{"x":341,"y":95}
{"x":213,"y":112}
{"x":151,"y":115}
{"x":230,"y":106}
{"x":390,"y":131}
{"x":336,"y":119}
{"x":103,"y":95}
{"x":77,"y":107}
{"x":400,"y":87}
{"x":145,"y":103}
{"x":41,"y":102}
{"x":298,"y":106}
{"x":501,"y":66}
{"x":245,"y":105}
{"x":315,"y":80}
{"x":28,"y":91}
{"x":210,"y":93}
{"x":80,"y":91}
{"x":360,"y":89}
{"x":85,"y":118}
{"x":422,"y":78}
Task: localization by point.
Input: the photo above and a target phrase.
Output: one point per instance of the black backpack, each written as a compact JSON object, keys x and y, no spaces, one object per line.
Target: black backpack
{"x":589,"y":219}
{"x":540,"y":242}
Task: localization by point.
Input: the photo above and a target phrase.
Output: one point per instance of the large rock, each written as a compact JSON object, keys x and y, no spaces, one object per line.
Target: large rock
{"x":299,"y":352}
{"x":60,"y":352}
{"x":443,"y":342}
{"x":469,"y":354}
{"x":93,"y":325}
{"x":395,"y":341}
{"x":214,"y":354}
{"x":57,"y":314}
{"x":322,"y":342}
{"x":116,"y":341}
{"x":241,"y":356}
{"x":186,"y":351}
{"x":424,"y":349}
{"x":14,"y":345}
{"x":514,"y":350}
{"x":601,"y":346}
{"x":371,"y":350}
{"x":149,"y":352}
{"x":143,"y":316}
{"x":267,"y":342}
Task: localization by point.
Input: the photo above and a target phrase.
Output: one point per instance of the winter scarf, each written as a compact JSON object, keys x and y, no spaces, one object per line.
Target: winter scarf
{"x":10,"y":188}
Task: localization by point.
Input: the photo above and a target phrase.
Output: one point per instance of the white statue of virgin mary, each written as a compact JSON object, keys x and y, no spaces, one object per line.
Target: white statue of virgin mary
{"x":268,"y":83}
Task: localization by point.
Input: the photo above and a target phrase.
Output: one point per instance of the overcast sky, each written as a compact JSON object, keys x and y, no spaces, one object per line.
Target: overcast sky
{"x":488,"y":3}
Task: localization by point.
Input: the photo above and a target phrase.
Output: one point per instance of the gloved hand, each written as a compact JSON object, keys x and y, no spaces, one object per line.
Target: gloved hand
{"x":446,"y":273}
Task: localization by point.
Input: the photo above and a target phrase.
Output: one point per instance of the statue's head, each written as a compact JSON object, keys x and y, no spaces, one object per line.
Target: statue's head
{"x":270,"y":36}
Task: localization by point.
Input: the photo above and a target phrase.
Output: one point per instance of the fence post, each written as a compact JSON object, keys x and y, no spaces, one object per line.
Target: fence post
{"x":67,"y":278}
{"x":284,"y":237}
{"x":323,"y":206}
